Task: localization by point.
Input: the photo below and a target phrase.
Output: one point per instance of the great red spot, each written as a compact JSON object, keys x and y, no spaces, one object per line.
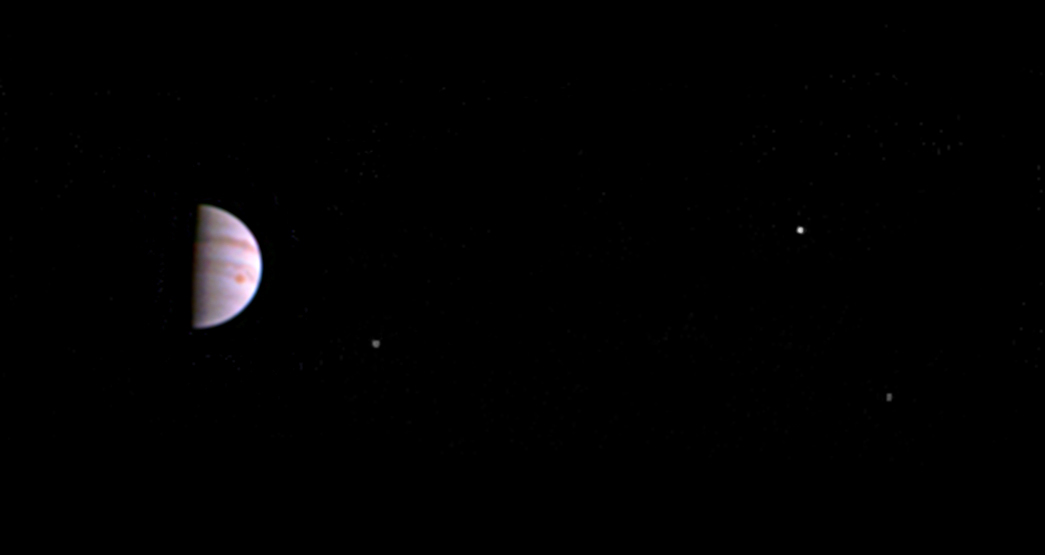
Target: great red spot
{"x":240,"y":278}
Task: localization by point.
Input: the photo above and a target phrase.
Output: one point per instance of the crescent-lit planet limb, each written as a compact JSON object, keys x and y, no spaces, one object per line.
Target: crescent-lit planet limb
{"x":226,"y":267}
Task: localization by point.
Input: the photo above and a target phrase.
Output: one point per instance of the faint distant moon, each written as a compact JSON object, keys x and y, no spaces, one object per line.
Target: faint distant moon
{"x":226,"y":267}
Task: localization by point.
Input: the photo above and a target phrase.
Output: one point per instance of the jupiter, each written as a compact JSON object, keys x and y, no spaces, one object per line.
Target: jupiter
{"x":226,"y":267}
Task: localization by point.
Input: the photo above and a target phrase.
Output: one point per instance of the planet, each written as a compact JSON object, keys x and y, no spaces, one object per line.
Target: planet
{"x":226,"y":267}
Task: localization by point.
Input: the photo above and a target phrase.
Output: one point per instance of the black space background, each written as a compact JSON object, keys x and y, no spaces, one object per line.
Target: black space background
{"x":586,"y":249}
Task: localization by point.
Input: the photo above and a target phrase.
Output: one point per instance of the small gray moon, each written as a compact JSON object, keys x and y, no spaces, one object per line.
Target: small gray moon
{"x":226,"y":267}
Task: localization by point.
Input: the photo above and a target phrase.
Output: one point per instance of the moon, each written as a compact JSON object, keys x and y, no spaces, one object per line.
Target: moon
{"x":226,"y":267}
